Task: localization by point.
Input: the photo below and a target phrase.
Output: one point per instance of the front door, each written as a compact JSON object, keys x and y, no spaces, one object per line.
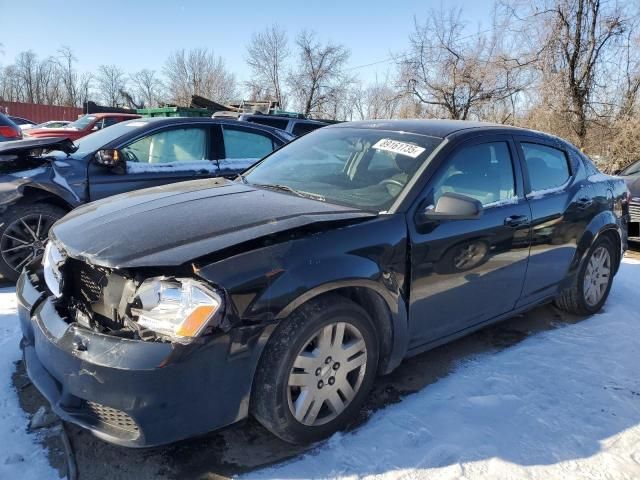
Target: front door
{"x":166,"y":156}
{"x":465,"y":272}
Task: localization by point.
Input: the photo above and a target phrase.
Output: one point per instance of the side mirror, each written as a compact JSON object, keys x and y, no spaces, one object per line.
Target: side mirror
{"x":109,"y":158}
{"x":96,"y":127}
{"x":452,"y":206}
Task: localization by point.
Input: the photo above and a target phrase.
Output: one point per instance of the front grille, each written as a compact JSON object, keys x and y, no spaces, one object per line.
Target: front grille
{"x":87,"y":281}
{"x":634,"y":211}
{"x":111,"y":416}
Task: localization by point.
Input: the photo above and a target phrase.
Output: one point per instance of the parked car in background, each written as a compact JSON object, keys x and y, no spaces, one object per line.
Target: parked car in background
{"x":23,"y":123}
{"x":83,"y":126}
{"x":295,"y":126}
{"x":631,"y":175}
{"x":39,"y":189}
{"x":52,"y":124}
{"x":172,"y":311}
{"x":8,"y":129}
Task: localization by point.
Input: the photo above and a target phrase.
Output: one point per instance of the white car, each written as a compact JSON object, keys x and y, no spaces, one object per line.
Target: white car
{"x":49,"y":124}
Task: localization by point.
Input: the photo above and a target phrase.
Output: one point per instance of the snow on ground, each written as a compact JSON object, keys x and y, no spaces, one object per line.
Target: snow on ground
{"x":21,"y":457}
{"x":563,"y":404}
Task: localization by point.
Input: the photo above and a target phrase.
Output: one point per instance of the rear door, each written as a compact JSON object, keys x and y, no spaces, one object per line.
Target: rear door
{"x":244,"y":146}
{"x":466,"y":272}
{"x":172,"y":154}
{"x":562,"y":204}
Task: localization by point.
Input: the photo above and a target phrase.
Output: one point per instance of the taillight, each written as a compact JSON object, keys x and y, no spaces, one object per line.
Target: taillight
{"x":7,"y":131}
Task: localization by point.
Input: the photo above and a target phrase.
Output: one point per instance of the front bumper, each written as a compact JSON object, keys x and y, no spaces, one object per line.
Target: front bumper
{"x":131,"y":392}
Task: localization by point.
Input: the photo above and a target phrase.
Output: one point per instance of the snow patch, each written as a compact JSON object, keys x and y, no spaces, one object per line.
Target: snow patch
{"x":21,"y":456}
{"x":197,"y":166}
{"x":561,"y":404}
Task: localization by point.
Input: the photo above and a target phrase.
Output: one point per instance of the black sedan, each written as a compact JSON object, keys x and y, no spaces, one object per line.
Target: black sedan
{"x":169,"y":312}
{"x":37,"y":188}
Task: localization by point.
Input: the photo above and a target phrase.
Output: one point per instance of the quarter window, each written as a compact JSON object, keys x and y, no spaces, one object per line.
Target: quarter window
{"x":547,"y":166}
{"x":483,"y":172}
{"x":302,"y":128}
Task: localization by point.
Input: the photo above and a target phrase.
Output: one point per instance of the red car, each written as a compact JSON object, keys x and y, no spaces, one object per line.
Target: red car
{"x":81,"y":127}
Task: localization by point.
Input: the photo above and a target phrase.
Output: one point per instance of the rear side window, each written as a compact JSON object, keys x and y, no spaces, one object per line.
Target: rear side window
{"x":272,"y":122}
{"x":243,"y":144}
{"x":548,"y":167}
{"x":302,"y":128}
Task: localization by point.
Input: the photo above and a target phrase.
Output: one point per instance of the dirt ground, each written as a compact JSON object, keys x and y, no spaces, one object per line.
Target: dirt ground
{"x":247,"y":446}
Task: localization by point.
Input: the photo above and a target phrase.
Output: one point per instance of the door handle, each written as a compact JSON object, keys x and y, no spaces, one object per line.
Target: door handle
{"x":515,"y":221}
{"x":584,"y":202}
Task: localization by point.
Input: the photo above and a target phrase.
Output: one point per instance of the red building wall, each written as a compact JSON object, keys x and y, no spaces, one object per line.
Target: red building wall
{"x":40,"y":113}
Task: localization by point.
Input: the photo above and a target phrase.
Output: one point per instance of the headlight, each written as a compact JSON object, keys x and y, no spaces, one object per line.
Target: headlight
{"x":53,"y":259}
{"x":179,"y":308}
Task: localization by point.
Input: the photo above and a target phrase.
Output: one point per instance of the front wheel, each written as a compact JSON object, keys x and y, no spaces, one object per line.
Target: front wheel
{"x":316,"y":371}
{"x":593,"y":282}
{"x":24,"y":230}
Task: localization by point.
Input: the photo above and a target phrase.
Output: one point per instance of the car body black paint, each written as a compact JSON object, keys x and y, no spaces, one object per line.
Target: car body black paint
{"x":272,"y":251}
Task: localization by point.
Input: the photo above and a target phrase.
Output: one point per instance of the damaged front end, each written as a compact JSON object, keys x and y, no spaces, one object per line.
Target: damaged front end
{"x":138,"y":358}
{"x":133,"y":304}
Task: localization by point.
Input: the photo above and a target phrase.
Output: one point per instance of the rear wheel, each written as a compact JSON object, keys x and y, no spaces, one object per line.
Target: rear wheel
{"x":24,"y":230}
{"x":316,"y":370}
{"x":592,"y":284}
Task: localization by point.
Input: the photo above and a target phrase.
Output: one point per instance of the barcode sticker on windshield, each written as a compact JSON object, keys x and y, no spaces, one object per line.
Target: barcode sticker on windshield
{"x":402,"y":148}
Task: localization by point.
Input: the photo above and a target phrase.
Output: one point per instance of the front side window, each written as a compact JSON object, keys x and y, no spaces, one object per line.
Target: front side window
{"x":362,"y":168}
{"x":547,"y":166}
{"x":177,"y":148}
{"x":483,"y":172}
{"x":633,"y":169}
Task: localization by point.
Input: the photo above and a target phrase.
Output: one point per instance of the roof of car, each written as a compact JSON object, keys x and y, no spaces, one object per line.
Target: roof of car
{"x":110,"y":114}
{"x":433,"y":128}
{"x":171,"y":120}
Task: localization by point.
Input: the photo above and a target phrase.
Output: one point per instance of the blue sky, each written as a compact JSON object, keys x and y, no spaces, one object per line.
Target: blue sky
{"x":141,"y":34}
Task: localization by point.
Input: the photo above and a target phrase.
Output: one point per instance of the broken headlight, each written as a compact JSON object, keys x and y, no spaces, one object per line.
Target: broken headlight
{"x":51,"y":263}
{"x":181,"y":308}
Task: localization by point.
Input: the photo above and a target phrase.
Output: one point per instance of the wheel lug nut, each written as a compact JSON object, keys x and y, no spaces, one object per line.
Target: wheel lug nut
{"x":332,"y":380}
{"x":336,"y":366}
{"x":328,"y":360}
{"x":320,"y":384}
{"x":318,"y":371}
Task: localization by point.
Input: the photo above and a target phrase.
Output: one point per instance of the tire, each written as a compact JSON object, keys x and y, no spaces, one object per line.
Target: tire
{"x":579,"y":299}
{"x":17,"y":242}
{"x":318,"y":379}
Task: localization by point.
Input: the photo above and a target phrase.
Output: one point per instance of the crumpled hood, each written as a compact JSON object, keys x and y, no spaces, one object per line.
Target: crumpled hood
{"x":176,"y":223}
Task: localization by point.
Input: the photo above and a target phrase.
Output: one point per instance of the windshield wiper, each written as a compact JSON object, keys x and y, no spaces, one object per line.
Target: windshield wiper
{"x":287,"y":188}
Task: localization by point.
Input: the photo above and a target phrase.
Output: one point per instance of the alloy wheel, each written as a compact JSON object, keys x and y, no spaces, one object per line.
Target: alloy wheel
{"x":24,"y":239}
{"x":470,"y":256}
{"x":327,"y":374}
{"x":596,"y":277}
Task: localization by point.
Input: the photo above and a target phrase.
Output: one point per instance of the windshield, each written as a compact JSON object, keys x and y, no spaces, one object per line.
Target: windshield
{"x":362,"y":168}
{"x":633,"y":169}
{"x":82,"y":123}
{"x":97,"y":140}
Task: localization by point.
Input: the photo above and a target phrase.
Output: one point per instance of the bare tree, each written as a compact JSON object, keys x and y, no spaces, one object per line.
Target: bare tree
{"x":267,"y":54}
{"x":198,"y":72}
{"x":320,"y":77}
{"x":147,"y":87}
{"x":580,"y":34}
{"x":74,"y":86}
{"x":454,"y":74}
{"x":111,"y":81}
